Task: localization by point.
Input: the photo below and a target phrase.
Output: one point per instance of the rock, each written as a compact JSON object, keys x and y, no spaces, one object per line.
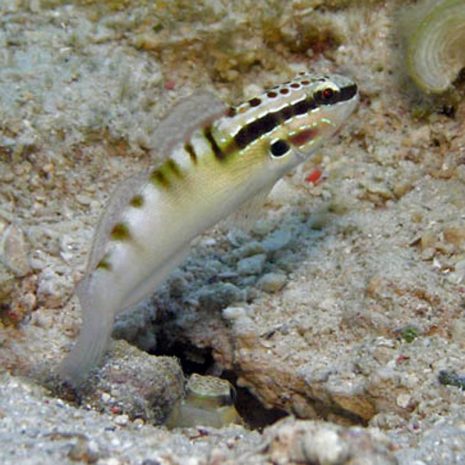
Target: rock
{"x":18,"y":298}
{"x":177,"y":284}
{"x":14,"y":251}
{"x":442,"y":444}
{"x":286,"y":260}
{"x":455,"y":235}
{"x":324,"y":447}
{"x":404,"y":400}
{"x":326,"y":444}
{"x":251,"y":265}
{"x":121,"y":420}
{"x":140,"y":385}
{"x":272,"y":282}
{"x":7,"y":283}
{"x":111,"y":461}
{"x":137,"y":327}
{"x":249,"y":249}
{"x":263,"y":227}
{"x":217,"y":296}
{"x":237,"y":237}
{"x":350,"y":395}
{"x":277,"y":240}
{"x":53,"y":288}
{"x":234,"y":313}
{"x":84,"y":450}
{"x":458,"y":275}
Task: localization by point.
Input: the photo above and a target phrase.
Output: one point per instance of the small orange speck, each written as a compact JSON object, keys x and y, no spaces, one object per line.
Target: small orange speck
{"x":315,"y":176}
{"x":402,"y":358}
{"x":170,"y":84}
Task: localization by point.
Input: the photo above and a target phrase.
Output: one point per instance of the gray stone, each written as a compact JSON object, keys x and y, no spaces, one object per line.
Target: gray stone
{"x":218,"y":296}
{"x":251,"y":265}
{"x":272,"y":282}
{"x":249,"y":249}
{"x":14,"y":251}
{"x":277,"y":240}
{"x":140,"y":385}
{"x":84,"y":450}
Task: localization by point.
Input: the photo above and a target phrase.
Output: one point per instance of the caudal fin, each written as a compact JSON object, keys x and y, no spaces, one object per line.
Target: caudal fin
{"x":97,"y":324}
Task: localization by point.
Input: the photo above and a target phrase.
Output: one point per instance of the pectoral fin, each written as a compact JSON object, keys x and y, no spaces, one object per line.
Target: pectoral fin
{"x":250,"y":211}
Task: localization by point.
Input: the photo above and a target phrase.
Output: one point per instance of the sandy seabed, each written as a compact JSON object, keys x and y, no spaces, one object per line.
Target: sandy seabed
{"x":343,"y":306}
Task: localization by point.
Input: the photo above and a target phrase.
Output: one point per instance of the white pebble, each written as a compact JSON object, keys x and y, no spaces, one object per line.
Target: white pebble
{"x":324,"y":447}
{"x":403,"y":400}
{"x":272,"y":282}
{"x":234,"y":313}
{"x":121,"y":420}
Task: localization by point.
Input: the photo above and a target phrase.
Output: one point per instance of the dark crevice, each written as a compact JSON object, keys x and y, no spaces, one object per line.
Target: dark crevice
{"x":192,"y":359}
{"x":197,"y":360}
{"x":250,"y":408}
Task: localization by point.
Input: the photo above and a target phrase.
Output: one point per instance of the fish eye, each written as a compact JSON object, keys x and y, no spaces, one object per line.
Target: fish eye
{"x":327,"y":93}
{"x":279,"y":148}
{"x":327,"y":96}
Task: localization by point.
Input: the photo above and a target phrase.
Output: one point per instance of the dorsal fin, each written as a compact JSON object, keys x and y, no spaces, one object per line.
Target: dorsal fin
{"x":198,"y":110}
{"x":190,"y":113}
{"x":117,"y":203}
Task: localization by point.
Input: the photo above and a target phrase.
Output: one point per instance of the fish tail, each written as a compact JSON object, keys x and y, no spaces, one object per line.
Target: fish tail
{"x":97,"y":324}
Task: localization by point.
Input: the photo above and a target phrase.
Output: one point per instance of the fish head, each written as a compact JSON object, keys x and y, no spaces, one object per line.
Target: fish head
{"x":317,"y":110}
{"x":282,"y":127}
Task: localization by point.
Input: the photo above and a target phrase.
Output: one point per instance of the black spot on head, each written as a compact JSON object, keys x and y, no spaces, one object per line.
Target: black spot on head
{"x":295,"y":85}
{"x":279,"y":148}
{"x":255,"y":102}
{"x":305,"y":83}
{"x":272,"y":94}
{"x":284,"y":91}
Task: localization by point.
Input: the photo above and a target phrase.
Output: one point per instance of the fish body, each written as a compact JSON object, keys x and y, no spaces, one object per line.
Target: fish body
{"x":214,"y":163}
